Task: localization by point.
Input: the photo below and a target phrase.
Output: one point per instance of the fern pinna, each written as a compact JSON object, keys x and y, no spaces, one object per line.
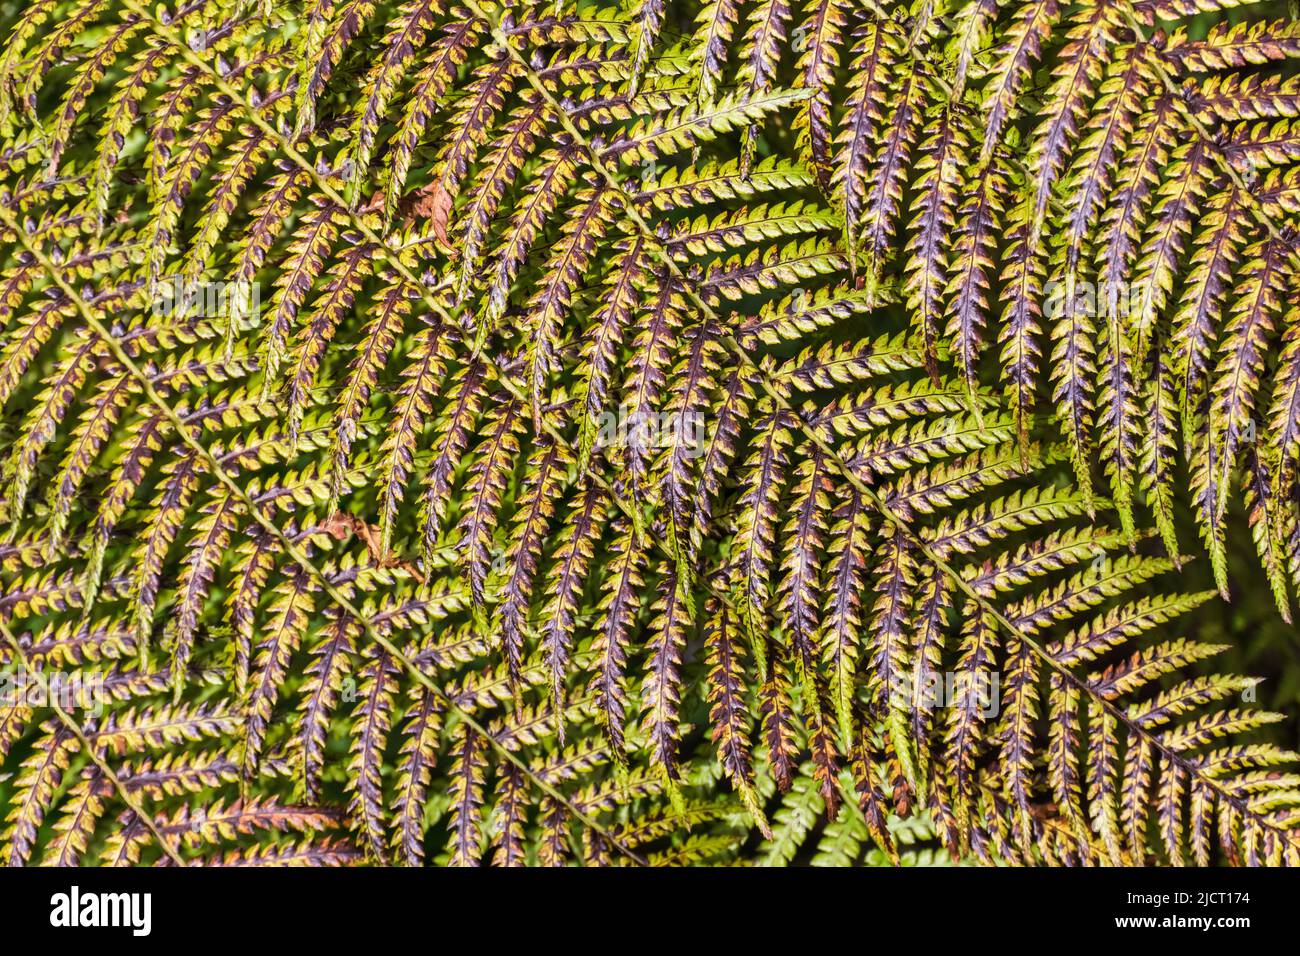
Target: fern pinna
{"x":465,"y":432}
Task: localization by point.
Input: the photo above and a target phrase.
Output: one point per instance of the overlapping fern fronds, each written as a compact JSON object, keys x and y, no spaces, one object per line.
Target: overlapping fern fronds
{"x":367,"y":566}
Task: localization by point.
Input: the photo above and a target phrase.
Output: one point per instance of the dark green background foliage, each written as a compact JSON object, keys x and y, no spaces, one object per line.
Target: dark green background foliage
{"x":360,"y":572}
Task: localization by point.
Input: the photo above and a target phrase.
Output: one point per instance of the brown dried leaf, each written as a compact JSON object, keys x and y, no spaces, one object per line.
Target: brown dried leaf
{"x":433,"y":202}
{"x":340,"y":524}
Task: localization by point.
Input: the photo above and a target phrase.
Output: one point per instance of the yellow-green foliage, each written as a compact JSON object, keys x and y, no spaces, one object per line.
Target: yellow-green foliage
{"x":364,"y":554}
